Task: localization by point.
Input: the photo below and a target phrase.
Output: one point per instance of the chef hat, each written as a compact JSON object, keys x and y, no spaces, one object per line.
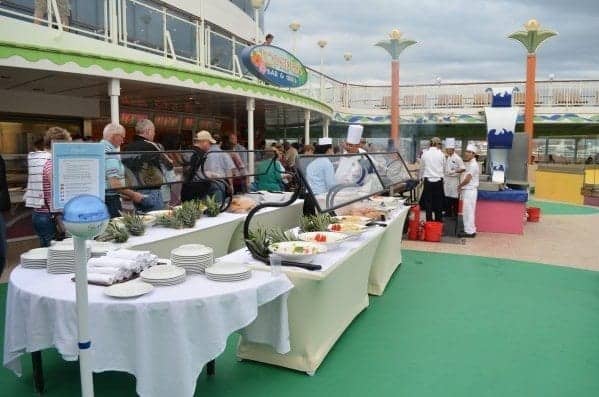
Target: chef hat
{"x":325,"y":141}
{"x":354,"y":134}
{"x":450,"y":143}
{"x":471,"y":148}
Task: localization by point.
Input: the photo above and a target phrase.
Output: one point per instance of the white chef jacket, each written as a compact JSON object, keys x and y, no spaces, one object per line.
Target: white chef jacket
{"x":472,"y":169}
{"x":451,"y":180}
{"x":431,"y":164}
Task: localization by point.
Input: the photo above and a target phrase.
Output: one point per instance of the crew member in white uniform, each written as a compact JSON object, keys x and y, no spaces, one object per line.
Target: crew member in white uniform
{"x":452,"y":169}
{"x":469,"y":191}
{"x":431,"y":172}
{"x":349,"y":169}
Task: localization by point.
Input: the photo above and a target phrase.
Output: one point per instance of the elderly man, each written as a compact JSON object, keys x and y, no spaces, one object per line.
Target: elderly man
{"x":114,"y":135}
{"x":234,"y":139}
{"x":452,"y":169}
{"x":194,"y":185}
{"x":147,"y":168}
{"x":431,"y":172}
{"x":469,"y":191}
{"x":218,"y":165}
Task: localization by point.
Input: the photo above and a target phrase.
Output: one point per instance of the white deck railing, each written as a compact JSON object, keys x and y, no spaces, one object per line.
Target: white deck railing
{"x":155,"y":27}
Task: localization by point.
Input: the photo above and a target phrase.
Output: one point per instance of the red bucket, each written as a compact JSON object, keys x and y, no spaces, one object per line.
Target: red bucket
{"x":433,"y":231}
{"x":533,"y":214}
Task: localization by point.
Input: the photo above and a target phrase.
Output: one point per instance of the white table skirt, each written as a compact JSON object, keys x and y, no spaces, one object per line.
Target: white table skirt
{"x":164,"y":338}
{"x":324,"y":303}
{"x":388,"y":254}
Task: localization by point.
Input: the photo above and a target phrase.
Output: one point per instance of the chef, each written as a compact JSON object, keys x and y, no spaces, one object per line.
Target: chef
{"x":431,"y":173}
{"x":349,"y":169}
{"x":452,"y":169}
{"x":468,"y":188}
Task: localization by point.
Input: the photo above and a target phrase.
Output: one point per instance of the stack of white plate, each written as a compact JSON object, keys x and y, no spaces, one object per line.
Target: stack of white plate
{"x":35,"y":258}
{"x":228,"y":272}
{"x":194,"y":258}
{"x":162,"y":275}
{"x":61,"y":258}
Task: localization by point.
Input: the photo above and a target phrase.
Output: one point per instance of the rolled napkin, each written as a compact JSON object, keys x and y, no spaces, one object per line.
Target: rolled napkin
{"x":107,"y":261}
{"x":98,"y":278}
{"x":143,"y":258}
{"x":118,"y":273}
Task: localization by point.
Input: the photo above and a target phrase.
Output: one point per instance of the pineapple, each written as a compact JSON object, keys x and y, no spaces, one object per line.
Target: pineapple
{"x":134,"y":223}
{"x":114,"y":231}
{"x":315,"y":223}
{"x":187,"y":215}
{"x":170,"y":221}
{"x":212,"y":206}
{"x":195,"y":207}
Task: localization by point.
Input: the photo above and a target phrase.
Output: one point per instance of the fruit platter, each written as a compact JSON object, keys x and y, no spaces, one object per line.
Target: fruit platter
{"x":302,"y":251}
{"x":332,"y":240}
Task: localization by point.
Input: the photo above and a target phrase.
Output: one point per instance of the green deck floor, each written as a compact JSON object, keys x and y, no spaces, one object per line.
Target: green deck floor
{"x":553,"y":208}
{"x":448,"y":325}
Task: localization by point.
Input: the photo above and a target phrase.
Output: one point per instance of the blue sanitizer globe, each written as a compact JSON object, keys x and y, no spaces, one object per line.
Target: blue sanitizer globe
{"x":85,"y":216}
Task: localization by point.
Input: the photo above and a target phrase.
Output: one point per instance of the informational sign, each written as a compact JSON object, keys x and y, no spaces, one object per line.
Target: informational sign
{"x":275,"y":66}
{"x":501,"y":123}
{"x":77,"y":168}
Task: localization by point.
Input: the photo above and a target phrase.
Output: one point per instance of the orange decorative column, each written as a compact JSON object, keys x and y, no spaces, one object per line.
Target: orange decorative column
{"x":395,"y":101}
{"x":529,"y":101}
{"x":531,"y":38}
{"x":394,"y":46}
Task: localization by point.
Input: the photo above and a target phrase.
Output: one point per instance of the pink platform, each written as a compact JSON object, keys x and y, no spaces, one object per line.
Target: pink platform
{"x":500,"y":217}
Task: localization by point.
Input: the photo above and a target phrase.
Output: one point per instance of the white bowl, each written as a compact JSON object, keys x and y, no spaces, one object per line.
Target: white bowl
{"x":333,"y":239}
{"x":300,"y":251}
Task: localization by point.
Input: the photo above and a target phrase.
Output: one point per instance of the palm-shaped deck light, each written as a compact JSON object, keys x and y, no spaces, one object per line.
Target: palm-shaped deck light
{"x":395,"y":46}
{"x":531,"y":38}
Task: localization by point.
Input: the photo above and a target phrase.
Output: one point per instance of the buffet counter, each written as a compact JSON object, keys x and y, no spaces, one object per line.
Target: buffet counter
{"x":323,"y":303}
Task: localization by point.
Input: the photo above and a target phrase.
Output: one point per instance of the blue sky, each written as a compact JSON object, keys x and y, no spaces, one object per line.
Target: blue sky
{"x":459,"y":40}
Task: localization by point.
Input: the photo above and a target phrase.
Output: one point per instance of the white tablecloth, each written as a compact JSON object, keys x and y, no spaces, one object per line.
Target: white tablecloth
{"x":164,"y":338}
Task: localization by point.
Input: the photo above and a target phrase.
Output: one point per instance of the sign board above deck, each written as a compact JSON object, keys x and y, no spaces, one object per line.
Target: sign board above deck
{"x":275,"y":66}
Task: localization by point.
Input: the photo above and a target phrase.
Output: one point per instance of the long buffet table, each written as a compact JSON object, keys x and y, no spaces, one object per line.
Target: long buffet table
{"x":323,"y":303}
{"x":320,"y":306}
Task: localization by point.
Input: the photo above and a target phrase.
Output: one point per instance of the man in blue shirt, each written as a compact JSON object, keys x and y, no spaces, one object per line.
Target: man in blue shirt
{"x":114,"y":136}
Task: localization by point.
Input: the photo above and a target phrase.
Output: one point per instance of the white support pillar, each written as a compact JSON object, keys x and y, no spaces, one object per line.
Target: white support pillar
{"x":114,"y":23}
{"x":326,"y":123}
{"x":250,"y":106}
{"x":306,"y":127}
{"x":114,"y":91}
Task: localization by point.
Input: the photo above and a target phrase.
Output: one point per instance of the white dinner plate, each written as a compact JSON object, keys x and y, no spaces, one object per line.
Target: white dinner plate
{"x":163,"y":272}
{"x":130,"y":289}
{"x":227,"y":269}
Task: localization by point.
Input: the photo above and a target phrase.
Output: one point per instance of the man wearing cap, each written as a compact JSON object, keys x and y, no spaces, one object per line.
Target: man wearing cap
{"x":452,"y":169}
{"x":431,"y":172}
{"x":218,"y":165}
{"x":469,"y":191}
{"x":194,"y":184}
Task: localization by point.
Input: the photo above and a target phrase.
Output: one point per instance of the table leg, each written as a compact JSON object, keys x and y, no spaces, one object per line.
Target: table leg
{"x":211,"y":368}
{"x":38,"y":371}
